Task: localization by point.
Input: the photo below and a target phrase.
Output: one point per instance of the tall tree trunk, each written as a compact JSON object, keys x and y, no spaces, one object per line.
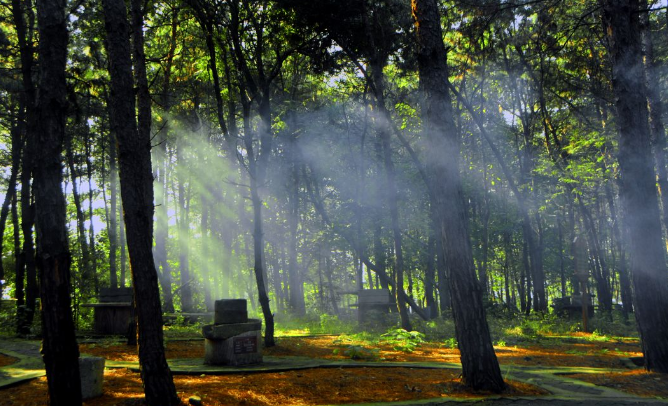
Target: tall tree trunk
{"x":624,"y":282}
{"x":86,"y":275}
{"x":136,"y":181}
{"x":160,"y":174}
{"x":92,"y":258}
{"x":256,"y":170}
{"x":480,"y":367}
{"x":11,"y":189}
{"x":184,"y":231}
{"x":560,"y":248}
{"x":657,"y":129}
{"x":297,"y":304}
{"x":17,"y":236}
{"x":330,"y":283}
{"x":113,"y":211}
{"x":25,"y":264}
{"x":506,"y":235}
{"x":59,"y":346}
{"x":28,"y":249}
{"x":124,"y":246}
{"x":601,"y":274}
{"x":391,"y":192}
{"x":204,"y":261}
{"x":638,"y":190}
{"x":430,"y":276}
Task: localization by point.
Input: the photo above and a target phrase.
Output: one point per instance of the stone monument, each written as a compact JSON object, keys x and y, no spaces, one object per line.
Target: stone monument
{"x":233,"y":339}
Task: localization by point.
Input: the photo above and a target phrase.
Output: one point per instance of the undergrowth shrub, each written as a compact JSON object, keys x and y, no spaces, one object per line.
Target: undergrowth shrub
{"x":402,"y":340}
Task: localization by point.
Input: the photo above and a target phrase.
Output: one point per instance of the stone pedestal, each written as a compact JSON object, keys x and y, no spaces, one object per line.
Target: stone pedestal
{"x":233,"y":339}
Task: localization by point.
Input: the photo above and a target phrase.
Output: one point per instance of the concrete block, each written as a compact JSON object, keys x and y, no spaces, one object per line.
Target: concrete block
{"x":92,"y":376}
{"x":225,"y":331}
{"x":243,"y":349}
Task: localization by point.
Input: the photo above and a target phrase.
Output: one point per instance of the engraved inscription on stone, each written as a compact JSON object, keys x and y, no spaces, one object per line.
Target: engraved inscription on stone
{"x":245,"y":345}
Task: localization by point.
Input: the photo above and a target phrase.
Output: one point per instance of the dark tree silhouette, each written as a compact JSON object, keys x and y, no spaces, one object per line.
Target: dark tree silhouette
{"x":479,"y":364}
{"x":59,"y":345}
{"x":637,"y":188}
{"x":134,"y":158}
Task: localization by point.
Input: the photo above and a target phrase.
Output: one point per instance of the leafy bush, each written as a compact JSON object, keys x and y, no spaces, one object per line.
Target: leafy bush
{"x":402,"y":340}
{"x":451,"y":343}
{"x":358,"y":352}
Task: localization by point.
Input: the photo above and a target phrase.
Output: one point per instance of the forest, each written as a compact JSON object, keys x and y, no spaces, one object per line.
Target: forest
{"x":417,"y":175}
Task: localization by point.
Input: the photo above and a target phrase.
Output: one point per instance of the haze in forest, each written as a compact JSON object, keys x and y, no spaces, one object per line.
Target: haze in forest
{"x":470,"y":159}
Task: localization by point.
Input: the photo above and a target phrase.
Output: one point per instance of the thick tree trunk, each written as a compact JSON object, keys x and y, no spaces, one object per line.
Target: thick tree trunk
{"x":136,"y":180}
{"x":638,"y":190}
{"x":59,"y":346}
{"x":480,"y":367}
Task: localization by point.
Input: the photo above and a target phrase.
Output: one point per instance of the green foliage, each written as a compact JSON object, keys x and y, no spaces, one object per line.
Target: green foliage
{"x":7,"y":320}
{"x":331,"y":324}
{"x":451,"y":343}
{"x":403,"y":340}
{"x":180,"y":327}
{"x":618,"y":327}
{"x":358,"y":352}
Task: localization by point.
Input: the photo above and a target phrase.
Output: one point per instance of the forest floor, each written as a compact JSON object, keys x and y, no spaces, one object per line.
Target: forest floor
{"x":349,"y":369}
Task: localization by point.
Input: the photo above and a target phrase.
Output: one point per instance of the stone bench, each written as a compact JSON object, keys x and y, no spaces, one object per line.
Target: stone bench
{"x":370,"y":301}
{"x":114,"y":311}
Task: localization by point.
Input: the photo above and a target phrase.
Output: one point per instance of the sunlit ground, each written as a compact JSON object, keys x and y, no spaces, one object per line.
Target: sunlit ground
{"x":307,"y":387}
{"x":336,"y":385}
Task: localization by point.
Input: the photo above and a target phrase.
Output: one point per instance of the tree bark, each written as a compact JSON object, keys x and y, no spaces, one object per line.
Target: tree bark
{"x":637,"y":189}
{"x":136,"y":180}
{"x":113,"y":211}
{"x":480,"y":367}
{"x":25,"y":264}
{"x":59,"y":346}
